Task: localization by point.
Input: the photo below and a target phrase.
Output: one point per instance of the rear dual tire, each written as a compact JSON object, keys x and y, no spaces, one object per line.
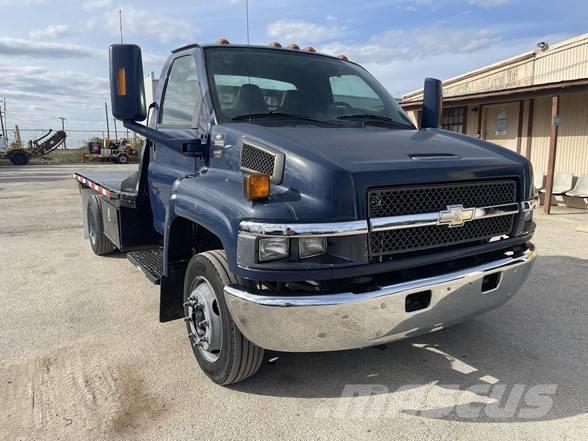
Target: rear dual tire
{"x":100,"y":244}
{"x":222,"y":352}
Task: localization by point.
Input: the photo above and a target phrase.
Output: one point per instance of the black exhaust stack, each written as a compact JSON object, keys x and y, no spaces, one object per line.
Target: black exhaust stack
{"x":432,"y":103}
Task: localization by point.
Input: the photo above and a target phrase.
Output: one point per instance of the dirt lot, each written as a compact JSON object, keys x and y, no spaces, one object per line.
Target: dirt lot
{"x":82,"y":355}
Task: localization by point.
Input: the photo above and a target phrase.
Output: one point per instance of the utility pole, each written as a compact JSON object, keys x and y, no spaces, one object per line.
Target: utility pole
{"x":4,"y":134}
{"x":5,"y":120}
{"x":107,"y":126}
{"x":115,"y":133}
{"x":63,"y":129}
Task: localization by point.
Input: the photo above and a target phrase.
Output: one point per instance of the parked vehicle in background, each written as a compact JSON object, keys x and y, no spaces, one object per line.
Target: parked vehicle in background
{"x":284,"y":201}
{"x":118,"y":151}
{"x":19,"y":155}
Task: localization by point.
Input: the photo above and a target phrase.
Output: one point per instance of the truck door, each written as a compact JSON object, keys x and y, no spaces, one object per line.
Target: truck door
{"x":177,"y":116}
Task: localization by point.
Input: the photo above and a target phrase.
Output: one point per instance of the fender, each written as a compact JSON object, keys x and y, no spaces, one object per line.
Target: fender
{"x":213,"y":200}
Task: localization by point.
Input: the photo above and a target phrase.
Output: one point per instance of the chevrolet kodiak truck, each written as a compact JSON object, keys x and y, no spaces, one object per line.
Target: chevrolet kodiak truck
{"x":284,"y":201}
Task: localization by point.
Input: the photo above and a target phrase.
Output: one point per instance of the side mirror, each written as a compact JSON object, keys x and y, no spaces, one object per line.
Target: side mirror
{"x":127,"y":90}
{"x":432,"y":103}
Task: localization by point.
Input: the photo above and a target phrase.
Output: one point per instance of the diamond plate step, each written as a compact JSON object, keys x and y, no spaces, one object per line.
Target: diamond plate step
{"x":149,"y":262}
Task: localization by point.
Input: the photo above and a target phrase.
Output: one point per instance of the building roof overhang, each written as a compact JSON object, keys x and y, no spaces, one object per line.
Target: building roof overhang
{"x":505,"y":95}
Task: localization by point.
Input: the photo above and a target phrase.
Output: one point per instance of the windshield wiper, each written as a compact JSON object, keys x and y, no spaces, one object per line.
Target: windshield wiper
{"x":282,"y":115}
{"x":366,"y":117}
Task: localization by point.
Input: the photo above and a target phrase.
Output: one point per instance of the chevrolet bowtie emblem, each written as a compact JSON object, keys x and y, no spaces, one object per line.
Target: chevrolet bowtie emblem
{"x":456,"y":215}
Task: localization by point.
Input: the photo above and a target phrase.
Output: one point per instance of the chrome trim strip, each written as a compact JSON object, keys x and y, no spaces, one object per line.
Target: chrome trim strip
{"x":530,"y":205}
{"x":280,"y":320}
{"x":352,"y":228}
{"x":316,"y":230}
{"x":431,"y":219}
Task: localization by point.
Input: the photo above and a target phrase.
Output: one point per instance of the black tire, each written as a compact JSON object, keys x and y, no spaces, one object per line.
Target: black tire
{"x":122,"y":159}
{"x":238,"y":358}
{"x":19,"y":158}
{"x":100,"y":244}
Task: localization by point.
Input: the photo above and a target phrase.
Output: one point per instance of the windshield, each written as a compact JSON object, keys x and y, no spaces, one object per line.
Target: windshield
{"x":266,"y":83}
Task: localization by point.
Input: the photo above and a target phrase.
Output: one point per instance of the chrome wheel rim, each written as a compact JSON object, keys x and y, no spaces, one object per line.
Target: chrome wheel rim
{"x":204,"y":319}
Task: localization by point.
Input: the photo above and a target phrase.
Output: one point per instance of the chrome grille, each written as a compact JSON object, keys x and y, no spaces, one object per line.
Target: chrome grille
{"x":433,"y":199}
{"x":428,"y":199}
{"x":422,"y":238}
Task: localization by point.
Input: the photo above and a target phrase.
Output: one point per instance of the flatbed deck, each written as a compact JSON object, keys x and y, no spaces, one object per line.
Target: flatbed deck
{"x":107,"y":181}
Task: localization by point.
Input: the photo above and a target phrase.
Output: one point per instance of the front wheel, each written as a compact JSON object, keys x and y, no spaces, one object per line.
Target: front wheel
{"x":222,"y":352}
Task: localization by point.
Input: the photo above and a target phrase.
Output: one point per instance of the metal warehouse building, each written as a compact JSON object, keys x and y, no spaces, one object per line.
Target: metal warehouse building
{"x":535,"y":103}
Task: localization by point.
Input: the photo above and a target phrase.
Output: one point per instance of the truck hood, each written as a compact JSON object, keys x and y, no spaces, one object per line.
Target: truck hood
{"x":384,"y":157}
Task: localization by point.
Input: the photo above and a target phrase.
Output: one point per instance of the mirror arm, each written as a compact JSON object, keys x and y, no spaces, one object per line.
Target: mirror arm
{"x":189,"y":147}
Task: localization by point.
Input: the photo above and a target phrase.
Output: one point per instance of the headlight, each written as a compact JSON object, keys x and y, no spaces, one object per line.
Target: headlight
{"x":312,"y":246}
{"x":273,"y":248}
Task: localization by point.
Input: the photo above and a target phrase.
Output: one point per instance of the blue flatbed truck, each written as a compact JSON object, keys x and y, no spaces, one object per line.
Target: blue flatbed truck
{"x":284,"y":201}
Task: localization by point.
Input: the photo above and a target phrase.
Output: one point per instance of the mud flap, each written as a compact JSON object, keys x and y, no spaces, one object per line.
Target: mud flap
{"x":171,"y":298}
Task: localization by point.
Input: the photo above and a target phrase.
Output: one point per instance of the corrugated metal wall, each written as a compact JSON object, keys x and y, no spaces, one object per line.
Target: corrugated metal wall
{"x":563,"y":62}
{"x":572,"y":144}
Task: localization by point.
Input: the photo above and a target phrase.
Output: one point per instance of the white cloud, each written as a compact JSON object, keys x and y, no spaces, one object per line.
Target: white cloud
{"x":402,"y":45}
{"x":305,"y":32}
{"x":488,"y":3}
{"x":143,"y":22}
{"x":51,"y":31}
{"x":437,"y":40}
{"x":90,"y":5}
{"x":36,"y":95}
{"x":20,"y":2}
{"x":414,"y":5}
{"x":32,"y":48}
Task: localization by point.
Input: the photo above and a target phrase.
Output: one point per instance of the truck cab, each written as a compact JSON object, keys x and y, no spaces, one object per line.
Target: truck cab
{"x":284,"y":201}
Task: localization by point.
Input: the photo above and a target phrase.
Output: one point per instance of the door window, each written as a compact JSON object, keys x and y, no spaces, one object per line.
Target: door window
{"x":182,"y":98}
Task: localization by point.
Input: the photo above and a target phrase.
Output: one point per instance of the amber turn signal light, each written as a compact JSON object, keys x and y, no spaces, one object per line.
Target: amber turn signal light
{"x":256,"y":186}
{"x":122,"y":81}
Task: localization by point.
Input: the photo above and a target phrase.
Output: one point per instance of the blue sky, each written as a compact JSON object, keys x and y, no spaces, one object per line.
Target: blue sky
{"x":53,"y":54}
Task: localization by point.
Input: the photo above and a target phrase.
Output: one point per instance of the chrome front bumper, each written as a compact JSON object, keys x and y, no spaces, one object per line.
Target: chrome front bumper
{"x":311,"y":323}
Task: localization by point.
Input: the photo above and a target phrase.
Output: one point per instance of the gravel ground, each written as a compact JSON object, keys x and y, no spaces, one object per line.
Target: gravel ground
{"x":83,"y":356}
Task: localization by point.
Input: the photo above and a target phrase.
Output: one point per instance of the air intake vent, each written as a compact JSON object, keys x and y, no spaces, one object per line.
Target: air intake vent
{"x":259,"y":158}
